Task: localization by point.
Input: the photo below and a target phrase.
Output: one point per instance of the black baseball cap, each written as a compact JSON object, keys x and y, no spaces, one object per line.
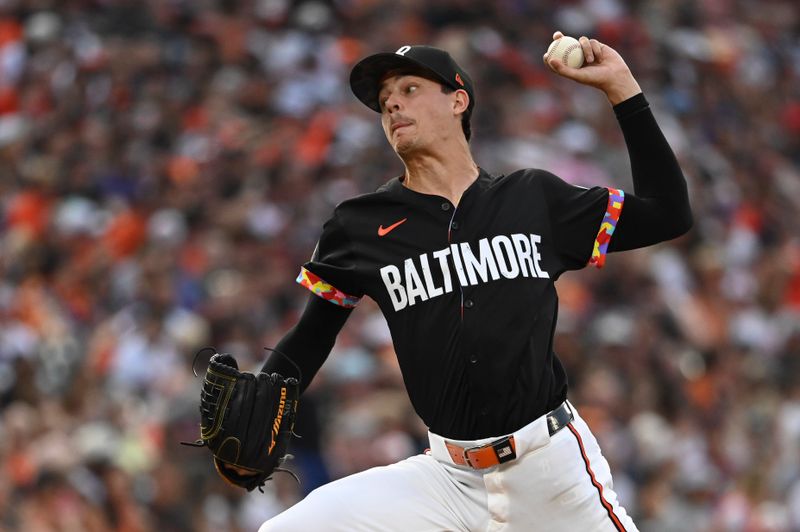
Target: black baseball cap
{"x":366,"y":74}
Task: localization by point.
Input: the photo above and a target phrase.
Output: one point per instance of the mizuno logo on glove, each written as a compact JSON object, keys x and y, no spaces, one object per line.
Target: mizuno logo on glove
{"x":276,"y":425}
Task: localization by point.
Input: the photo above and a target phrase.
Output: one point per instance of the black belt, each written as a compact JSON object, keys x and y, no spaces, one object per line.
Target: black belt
{"x":504,"y":449}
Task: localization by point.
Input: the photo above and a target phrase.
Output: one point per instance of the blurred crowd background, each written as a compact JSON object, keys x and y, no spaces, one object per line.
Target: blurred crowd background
{"x":166,"y":167}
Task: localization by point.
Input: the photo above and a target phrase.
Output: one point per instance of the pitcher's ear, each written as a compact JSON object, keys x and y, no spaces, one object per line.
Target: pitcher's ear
{"x":461,"y":103}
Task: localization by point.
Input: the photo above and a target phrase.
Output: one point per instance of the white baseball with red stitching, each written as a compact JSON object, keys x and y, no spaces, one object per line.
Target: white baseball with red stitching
{"x":568,"y":50}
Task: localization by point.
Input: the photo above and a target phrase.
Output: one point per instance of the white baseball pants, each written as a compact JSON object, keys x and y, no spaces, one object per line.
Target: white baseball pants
{"x":558,"y":483}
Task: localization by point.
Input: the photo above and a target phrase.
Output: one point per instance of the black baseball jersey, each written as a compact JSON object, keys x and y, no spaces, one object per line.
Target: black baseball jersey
{"x":468,"y":291}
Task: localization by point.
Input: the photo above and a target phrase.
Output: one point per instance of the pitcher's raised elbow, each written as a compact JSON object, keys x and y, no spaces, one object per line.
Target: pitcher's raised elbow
{"x":682,"y":223}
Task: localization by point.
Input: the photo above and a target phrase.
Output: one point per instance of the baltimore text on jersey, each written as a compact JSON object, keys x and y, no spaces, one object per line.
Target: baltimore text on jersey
{"x":507,"y":256}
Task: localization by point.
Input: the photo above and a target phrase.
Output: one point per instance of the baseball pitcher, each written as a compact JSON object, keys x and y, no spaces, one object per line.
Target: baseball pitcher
{"x":462,"y":263}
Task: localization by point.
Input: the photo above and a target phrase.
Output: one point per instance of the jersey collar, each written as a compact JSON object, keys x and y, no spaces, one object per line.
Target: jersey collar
{"x":395,"y":186}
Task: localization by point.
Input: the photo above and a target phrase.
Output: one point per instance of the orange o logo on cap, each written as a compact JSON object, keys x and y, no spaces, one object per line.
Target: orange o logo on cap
{"x":459,"y":80}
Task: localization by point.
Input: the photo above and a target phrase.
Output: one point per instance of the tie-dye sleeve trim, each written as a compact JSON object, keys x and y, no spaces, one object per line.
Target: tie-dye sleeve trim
{"x":325,"y":290}
{"x":616,"y":198}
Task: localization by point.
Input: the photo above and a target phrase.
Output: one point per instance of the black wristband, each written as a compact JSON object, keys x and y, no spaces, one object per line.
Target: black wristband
{"x":633,"y":105}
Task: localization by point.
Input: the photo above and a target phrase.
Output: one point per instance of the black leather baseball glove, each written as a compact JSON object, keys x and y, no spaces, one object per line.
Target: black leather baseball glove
{"x":246,"y":421}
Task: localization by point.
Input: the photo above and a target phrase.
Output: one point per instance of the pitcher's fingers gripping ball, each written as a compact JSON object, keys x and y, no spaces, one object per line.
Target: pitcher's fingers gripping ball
{"x":246,"y":421}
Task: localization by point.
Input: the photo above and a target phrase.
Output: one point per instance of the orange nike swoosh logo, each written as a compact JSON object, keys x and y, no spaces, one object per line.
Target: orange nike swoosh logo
{"x":385,"y":231}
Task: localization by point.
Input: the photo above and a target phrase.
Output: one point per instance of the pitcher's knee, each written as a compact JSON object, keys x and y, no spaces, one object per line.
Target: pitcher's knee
{"x":315,"y":512}
{"x":288,"y":520}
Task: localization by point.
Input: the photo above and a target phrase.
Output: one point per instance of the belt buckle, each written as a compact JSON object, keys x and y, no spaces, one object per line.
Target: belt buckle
{"x":503,"y":449}
{"x":465,"y":453}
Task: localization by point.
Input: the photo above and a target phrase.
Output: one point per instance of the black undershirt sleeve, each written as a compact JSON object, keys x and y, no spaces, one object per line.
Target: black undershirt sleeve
{"x":309,"y":342}
{"x":659,"y":208}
